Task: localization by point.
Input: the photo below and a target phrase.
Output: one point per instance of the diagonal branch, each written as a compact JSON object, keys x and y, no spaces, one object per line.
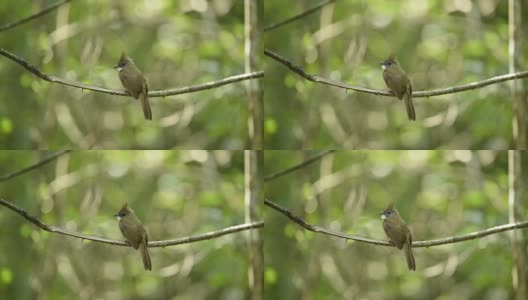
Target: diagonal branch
{"x":171,"y":92}
{"x":298,"y":166}
{"x":33,"y":16}
{"x":296,"y":17}
{"x":206,"y":86}
{"x":416,"y":244}
{"x":208,"y":235}
{"x":33,"y":166}
{"x":163,"y":243}
{"x":437,"y":92}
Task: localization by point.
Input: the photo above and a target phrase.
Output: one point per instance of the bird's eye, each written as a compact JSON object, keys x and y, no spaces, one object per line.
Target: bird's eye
{"x":122,"y":214}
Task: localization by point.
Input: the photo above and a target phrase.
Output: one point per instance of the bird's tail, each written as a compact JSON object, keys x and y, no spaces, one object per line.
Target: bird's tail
{"x":407,"y":249}
{"x":143,"y":97}
{"x":407,"y":97}
{"x":143,"y":249}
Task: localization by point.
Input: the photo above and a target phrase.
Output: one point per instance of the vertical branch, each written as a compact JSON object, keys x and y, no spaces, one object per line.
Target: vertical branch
{"x":515,"y":187}
{"x":514,"y":157}
{"x":253,"y":52}
{"x":515,"y":51}
{"x":253,"y":203}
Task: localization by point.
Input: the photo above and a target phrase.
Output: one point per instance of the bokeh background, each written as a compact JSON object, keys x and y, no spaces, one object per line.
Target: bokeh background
{"x":175,"y":194}
{"x":174,"y":43}
{"x":438,"y":193}
{"x":438,"y":43}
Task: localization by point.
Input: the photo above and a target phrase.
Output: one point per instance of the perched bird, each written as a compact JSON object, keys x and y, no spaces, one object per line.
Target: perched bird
{"x":398,"y":82}
{"x":134,"y":82}
{"x":135,"y":233}
{"x":398,"y":232}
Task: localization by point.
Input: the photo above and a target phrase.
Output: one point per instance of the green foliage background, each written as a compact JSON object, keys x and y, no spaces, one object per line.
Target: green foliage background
{"x":175,"y":193}
{"x":439,"y":194}
{"x":175,"y":44}
{"x":438,"y":45}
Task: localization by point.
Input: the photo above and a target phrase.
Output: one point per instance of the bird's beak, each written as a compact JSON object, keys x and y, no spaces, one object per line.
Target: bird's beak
{"x":383,"y":216}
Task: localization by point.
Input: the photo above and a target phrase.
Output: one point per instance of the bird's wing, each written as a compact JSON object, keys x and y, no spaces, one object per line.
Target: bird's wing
{"x":392,"y":79}
{"x":127,"y":231}
{"x":132,"y":83}
{"x":392,"y":231}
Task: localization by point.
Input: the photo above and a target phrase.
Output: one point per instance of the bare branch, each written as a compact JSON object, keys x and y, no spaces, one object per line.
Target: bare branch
{"x":206,"y":86}
{"x":152,"y":244}
{"x":437,"y":92}
{"x":296,"y":17}
{"x":253,"y":10}
{"x":171,"y":92}
{"x":515,"y":212}
{"x":415,"y":244}
{"x":298,"y":166}
{"x":34,"y":16}
{"x":207,"y":236}
{"x":33,"y":166}
{"x":253,"y":196}
{"x":518,"y":92}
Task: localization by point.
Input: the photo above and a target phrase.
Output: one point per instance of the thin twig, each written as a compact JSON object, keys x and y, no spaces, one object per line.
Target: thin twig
{"x":34,"y":166}
{"x":298,"y":166}
{"x":163,"y":243}
{"x":208,"y":235}
{"x":171,"y":92}
{"x":296,"y":17}
{"x":437,"y":92}
{"x":206,"y":86}
{"x":415,"y":244}
{"x":33,"y":16}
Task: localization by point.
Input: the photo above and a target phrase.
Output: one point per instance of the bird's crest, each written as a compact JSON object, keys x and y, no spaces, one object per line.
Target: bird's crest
{"x":390,"y":59}
{"x":124,"y":210}
{"x":390,"y":206}
{"x":123,"y":58}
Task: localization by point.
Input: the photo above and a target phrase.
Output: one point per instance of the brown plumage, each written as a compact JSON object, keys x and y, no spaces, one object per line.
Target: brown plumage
{"x":134,"y":82}
{"x":399,"y":233}
{"x":399,"y":83}
{"x":135,"y":233}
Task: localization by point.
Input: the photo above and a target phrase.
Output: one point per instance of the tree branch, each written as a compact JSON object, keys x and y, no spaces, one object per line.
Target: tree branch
{"x":34,"y":166}
{"x":164,"y":243}
{"x":171,"y":92}
{"x":415,"y":244}
{"x":518,"y":92}
{"x":437,"y":92}
{"x":296,"y":17}
{"x":253,"y":196}
{"x":298,"y":166}
{"x":34,"y":16}
{"x":253,"y":10}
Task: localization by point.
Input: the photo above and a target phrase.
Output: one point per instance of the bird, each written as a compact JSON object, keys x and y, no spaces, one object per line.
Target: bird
{"x":399,"y":83}
{"x":399,"y":233}
{"x":134,"y":82}
{"x":135,"y":233}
